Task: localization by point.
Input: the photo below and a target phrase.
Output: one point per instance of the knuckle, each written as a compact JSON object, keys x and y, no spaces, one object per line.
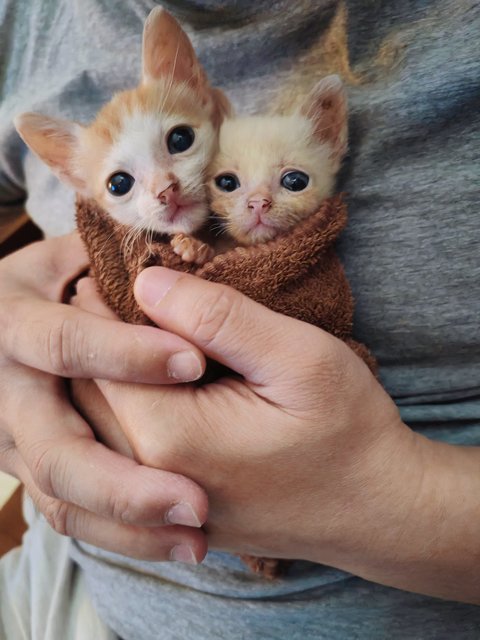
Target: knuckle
{"x":331,"y":354}
{"x":57,"y":514}
{"x":42,"y":469}
{"x":134,"y":510}
{"x":123,"y":507}
{"x":215,"y":312}
{"x":151,"y":454}
{"x":9,"y":325}
{"x":63,"y":346}
{"x":126,"y":506}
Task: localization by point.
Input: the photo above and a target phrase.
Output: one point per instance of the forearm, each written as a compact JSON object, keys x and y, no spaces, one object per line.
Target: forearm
{"x":420,"y":531}
{"x":305,"y":456}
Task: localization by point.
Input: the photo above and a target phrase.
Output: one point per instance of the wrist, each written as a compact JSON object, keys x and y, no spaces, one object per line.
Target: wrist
{"x":373,"y":502}
{"x":415,"y":523}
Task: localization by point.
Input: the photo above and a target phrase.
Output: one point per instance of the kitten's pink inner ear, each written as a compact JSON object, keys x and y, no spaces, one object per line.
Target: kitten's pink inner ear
{"x":167,"y":51}
{"x":326,"y":107}
{"x":55,"y":141}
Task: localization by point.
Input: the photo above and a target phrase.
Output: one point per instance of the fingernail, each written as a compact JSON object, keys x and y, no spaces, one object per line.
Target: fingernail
{"x":182,"y":553}
{"x":154,"y":283}
{"x":184,"y":366}
{"x":182,"y":513}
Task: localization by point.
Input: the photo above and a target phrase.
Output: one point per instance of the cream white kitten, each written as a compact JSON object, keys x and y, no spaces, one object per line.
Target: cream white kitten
{"x":273,"y":171}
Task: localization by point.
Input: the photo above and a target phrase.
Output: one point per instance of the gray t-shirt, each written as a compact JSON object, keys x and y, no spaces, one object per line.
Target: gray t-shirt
{"x":411,"y":252}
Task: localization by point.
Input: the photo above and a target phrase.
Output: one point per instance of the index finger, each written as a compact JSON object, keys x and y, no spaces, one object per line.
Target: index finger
{"x":73,"y":343}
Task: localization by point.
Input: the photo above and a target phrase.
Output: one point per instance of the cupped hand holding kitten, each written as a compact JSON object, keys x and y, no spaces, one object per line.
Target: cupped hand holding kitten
{"x":303,"y":456}
{"x":84,"y":489}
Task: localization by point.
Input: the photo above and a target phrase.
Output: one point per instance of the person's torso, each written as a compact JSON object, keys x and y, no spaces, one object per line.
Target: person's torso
{"x":410,"y":252}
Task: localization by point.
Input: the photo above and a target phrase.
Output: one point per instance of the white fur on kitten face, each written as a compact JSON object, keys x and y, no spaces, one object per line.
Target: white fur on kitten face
{"x":259,"y":151}
{"x":140,"y":150}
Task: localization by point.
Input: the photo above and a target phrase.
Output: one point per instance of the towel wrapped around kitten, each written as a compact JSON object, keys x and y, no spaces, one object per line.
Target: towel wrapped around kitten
{"x":297,"y":273}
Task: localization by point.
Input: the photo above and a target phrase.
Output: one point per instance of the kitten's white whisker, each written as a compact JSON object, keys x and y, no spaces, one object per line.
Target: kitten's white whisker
{"x":221,"y":231}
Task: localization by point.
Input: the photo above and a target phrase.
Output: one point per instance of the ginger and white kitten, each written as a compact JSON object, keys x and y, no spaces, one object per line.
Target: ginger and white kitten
{"x":144,"y":157}
{"x":271,"y":172}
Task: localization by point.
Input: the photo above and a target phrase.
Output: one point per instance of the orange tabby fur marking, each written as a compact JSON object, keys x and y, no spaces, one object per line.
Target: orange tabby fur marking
{"x":144,"y":157}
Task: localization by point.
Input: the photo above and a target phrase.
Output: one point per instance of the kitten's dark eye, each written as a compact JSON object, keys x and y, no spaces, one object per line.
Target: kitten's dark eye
{"x":294,"y":180}
{"x":227,"y":182}
{"x":120,"y":183}
{"x":180,"y":139}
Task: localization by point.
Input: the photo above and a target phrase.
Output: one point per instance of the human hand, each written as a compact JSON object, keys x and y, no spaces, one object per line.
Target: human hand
{"x":308,"y":430}
{"x":83,"y":489}
{"x":305,"y":456}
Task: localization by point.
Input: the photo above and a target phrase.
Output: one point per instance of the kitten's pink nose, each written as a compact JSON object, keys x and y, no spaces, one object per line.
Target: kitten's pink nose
{"x":259,"y":205}
{"x":168,"y":195}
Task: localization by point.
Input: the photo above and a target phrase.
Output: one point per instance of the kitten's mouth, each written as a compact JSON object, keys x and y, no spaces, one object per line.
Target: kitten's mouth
{"x":182,"y":217}
{"x":172,"y":212}
{"x":261,"y":225}
{"x":178,"y":209}
{"x":260,"y":231}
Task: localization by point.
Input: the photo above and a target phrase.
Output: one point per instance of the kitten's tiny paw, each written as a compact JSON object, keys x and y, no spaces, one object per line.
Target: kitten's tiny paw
{"x":176,"y":241}
{"x":269,"y":568}
{"x":190,"y":249}
{"x":183,"y":246}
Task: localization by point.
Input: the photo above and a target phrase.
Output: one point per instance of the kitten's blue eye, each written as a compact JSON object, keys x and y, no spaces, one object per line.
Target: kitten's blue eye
{"x":227,"y":182}
{"x":295,"y":180}
{"x":120,"y":183}
{"x":180,"y":139}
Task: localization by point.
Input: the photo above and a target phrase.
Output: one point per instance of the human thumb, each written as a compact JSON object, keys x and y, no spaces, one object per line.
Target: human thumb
{"x":226,"y":325}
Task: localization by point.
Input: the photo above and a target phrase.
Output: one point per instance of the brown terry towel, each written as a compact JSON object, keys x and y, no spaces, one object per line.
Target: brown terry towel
{"x":297,"y":274}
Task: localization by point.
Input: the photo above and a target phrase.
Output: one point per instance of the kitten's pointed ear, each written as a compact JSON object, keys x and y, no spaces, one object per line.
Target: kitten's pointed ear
{"x":167,"y":51}
{"x":54,"y":141}
{"x":326,"y":107}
